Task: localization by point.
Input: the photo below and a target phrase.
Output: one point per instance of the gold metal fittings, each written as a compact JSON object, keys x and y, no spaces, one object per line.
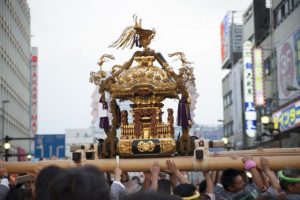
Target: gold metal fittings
{"x":146,"y":146}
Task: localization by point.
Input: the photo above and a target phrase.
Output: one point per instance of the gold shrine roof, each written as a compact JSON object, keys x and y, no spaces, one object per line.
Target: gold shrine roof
{"x":144,"y":79}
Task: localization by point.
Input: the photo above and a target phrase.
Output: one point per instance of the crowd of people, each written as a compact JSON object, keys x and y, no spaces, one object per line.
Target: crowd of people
{"x":88,"y":182}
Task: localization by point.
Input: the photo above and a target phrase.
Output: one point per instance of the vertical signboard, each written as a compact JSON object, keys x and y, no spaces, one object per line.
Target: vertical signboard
{"x":259,"y":96}
{"x":46,"y":146}
{"x":250,"y":112}
{"x":225,"y":39}
{"x":34,"y":91}
{"x":236,"y":114}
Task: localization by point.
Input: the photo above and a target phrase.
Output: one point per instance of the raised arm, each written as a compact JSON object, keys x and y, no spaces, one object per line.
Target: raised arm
{"x":155,"y":169}
{"x":264,"y":163}
{"x":117,"y":189}
{"x":250,"y":165}
{"x":174,"y":170}
{"x":209,"y":182}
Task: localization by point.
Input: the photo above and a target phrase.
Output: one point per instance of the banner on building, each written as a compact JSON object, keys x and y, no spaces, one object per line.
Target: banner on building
{"x":235,"y":81}
{"x":287,"y":117}
{"x":288,"y":65}
{"x":34,"y":91}
{"x":231,"y":30}
{"x":259,"y":93}
{"x":250,"y":112}
{"x":225,"y":39}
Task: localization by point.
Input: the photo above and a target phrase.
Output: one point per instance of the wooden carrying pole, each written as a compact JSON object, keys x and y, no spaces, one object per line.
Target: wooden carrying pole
{"x":259,"y":152}
{"x":143,"y":164}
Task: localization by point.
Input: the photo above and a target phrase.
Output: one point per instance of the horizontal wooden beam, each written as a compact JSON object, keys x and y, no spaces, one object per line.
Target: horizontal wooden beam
{"x":188,"y":163}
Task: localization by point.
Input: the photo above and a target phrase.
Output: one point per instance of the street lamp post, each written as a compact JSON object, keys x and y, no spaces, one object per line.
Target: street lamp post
{"x":7,"y":146}
{"x":3,"y":112}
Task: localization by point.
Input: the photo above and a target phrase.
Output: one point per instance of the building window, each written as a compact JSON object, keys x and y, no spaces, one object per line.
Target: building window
{"x":284,"y":9}
{"x":227,"y":99}
{"x":267,"y":67}
{"x":228,"y":129}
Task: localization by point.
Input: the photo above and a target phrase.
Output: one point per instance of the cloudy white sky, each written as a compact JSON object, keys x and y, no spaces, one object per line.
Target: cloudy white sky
{"x":72,"y":34}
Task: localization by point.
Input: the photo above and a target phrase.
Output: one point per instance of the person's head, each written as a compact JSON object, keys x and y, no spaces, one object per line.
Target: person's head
{"x":132,"y":187}
{"x":270,"y":197}
{"x":44,"y":179}
{"x":16,"y":193}
{"x":164,"y":186}
{"x":204,"y":197}
{"x":162,"y":175}
{"x":186,"y":191}
{"x":290,"y":180}
{"x":79,"y":183}
{"x":125,"y":177}
{"x":136,"y":179}
{"x":233,"y":180}
{"x":149,"y":196}
{"x":202,"y":186}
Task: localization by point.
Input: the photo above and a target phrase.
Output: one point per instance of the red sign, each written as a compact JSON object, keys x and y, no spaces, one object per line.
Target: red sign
{"x":34,"y":91}
{"x":222,"y":42}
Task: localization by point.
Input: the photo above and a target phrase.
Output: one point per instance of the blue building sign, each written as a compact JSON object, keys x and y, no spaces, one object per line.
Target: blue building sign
{"x":46,"y":146}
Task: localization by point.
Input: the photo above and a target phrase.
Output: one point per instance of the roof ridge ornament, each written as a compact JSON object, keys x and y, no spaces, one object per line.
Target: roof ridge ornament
{"x":134,"y":35}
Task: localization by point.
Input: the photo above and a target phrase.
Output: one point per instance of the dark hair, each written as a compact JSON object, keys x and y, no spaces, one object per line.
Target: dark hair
{"x":202,"y":186}
{"x":164,"y":186}
{"x":126,"y":175}
{"x":228,"y":176}
{"x":43,"y":181}
{"x":79,"y":183}
{"x":19,"y":194}
{"x":149,"y":196}
{"x":289,"y":172}
{"x":204,"y":197}
{"x":270,"y":197}
{"x":137,"y":179}
{"x":184,"y":190}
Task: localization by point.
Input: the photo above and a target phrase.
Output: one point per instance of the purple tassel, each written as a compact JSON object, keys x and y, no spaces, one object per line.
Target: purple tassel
{"x":104,"y":121}
{"x":183,"y":113}
{"x":118,"y":116}
{"x":102,"y":99}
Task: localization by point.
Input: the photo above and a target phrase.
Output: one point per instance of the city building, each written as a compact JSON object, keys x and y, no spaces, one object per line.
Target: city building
{"x":231,"y":54}
{"x":266,"y":99}
{"x":15,"y":74}
{"x":281,"y":57}
{"x":232,"y":105}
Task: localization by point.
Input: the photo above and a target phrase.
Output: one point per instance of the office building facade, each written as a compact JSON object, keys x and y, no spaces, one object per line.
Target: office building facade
{"x":15,"y":73}
{"x":273,"y":28}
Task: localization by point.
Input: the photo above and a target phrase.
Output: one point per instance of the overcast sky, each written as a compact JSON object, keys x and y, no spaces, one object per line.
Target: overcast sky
{"x":72,"y":34}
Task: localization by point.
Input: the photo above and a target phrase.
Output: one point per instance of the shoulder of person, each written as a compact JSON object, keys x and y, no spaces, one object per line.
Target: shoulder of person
{"x":293,"y":196}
